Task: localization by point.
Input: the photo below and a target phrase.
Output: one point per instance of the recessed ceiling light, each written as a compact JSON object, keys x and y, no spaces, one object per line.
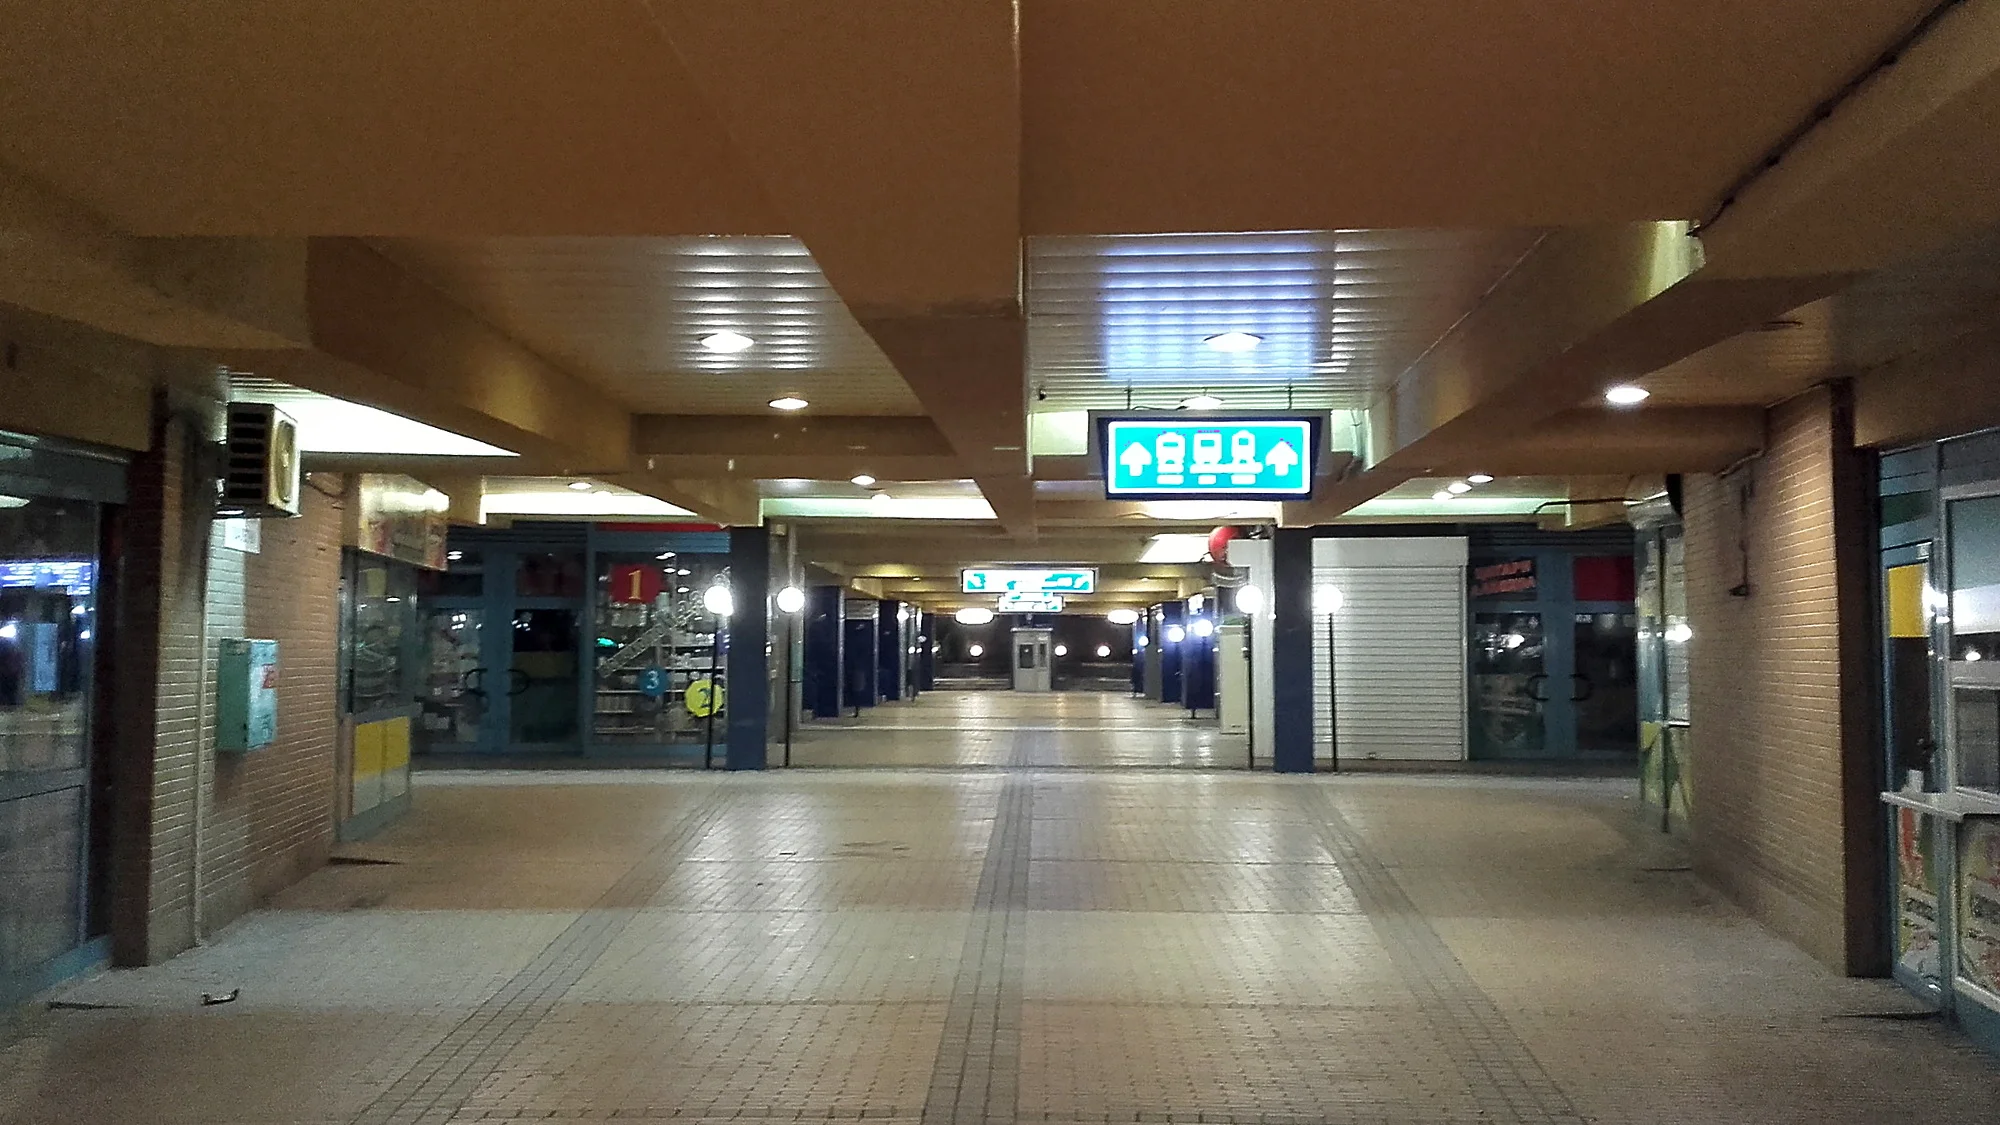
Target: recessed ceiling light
{"x":862,"y":479}
{"x":1234,"y":342}
{"x":1481,"y":478}
{"x":1201,"y":402}
{"x":789,"y":402}
{"x":880,"y":498}
{"x":1626,"y":395}
{"x":1443,"y":494}
{"x":1458,"y":488}
{"x":726,"y":342}
{"x":579,"y":486}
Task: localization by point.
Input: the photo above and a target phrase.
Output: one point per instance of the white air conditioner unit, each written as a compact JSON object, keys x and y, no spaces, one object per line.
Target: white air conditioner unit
{"x":260,"y":475}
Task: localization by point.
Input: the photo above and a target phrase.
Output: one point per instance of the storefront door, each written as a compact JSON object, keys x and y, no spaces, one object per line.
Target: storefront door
{"x":49,"y":579}
{"x":1553,"y":657}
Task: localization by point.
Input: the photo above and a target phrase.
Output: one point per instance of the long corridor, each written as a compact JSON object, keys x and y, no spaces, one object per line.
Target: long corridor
{"x":1007,"y":943}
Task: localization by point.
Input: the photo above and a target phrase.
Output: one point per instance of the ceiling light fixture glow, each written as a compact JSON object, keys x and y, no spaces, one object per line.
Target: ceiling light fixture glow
{"x":973,"y":615}
{"x":1442,"y":494}
{"x":1458,"y":488}
{"x":789,"y":402}
{"x":1626,"y":395}
{"x":1234,"y":342}
{"x":727,"y":342}
{"x":579,"y":486}
{"x":1201,"y":402}
{"x":862,"y":479}
{"x":1480,"y":478}
{"x":791,"y":599}
{"x":1123,"y":617}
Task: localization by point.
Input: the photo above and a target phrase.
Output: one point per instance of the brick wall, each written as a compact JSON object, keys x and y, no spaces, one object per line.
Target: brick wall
{"x":264,"y":819}
{"x":270,"y":817}
{"x":1785,"y":822}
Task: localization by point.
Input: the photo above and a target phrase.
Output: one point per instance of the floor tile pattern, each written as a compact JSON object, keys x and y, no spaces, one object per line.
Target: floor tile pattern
{"x":1015,"y":915}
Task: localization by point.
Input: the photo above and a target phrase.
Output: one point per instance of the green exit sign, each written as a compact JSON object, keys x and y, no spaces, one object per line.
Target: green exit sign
{"x":1224,"y":457}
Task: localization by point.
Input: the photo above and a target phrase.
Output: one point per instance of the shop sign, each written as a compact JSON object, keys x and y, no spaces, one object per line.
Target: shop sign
{"x":1030,"y":603}
{"x":1210,"y":457}
{"x":1514,"y":578}
{"x":1979,"y":903}
{"x":636,"y":584}
{"x":401,"y":518}
{"x":1029,"y":580}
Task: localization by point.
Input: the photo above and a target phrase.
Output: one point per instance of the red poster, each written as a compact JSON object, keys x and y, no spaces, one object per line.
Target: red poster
{"x":636,"y":584}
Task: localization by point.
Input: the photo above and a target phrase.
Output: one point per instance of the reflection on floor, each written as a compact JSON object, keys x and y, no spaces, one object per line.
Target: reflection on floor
{"x":1001,"y":729}
{"x":998,"y":944}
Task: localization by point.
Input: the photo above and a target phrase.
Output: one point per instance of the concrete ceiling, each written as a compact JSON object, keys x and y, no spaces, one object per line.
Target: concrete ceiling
{"x":516,"y":221}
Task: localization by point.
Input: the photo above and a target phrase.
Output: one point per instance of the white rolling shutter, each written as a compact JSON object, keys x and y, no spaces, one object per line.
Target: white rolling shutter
{"x":1400,"y":639}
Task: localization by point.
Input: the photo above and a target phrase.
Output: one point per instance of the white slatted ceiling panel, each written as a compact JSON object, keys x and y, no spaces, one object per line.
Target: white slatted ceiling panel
{"x":1400,"y":639}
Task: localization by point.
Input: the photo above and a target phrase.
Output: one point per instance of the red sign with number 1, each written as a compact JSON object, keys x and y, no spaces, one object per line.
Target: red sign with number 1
{"x":636,"y":584}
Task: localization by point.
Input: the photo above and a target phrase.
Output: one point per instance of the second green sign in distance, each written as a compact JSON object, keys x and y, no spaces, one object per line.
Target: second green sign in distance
{"x":1209,"y":457}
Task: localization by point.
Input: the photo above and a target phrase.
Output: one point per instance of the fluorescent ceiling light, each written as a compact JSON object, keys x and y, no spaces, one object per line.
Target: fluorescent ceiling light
{"x":880,"y":506}
{"x":1234,"y":342}
{"x":862,"y":479}
{"x":1123,"y":617}
{"x":1201,"y":402}
{"x":789,"y":402}
{"x":563,"y":502}
{"x":1175,"y":548}
{"x":1626,"y":395}
{"x":1443,"y":494}
{"x":1480,"y":478}
{"x":973,"y":615}
{"x":1458,"y":488}
{"x":13,"y":501}
{"x":333,"y":425}
{"x":726,"y":342}
{"x":580,"y":485}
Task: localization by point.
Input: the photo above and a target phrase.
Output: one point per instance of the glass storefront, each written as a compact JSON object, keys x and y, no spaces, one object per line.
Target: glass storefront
{"x":50,"y":528}
{"x":572,"y":639}
{"x":1553,"y":645}
{"x":1940,"y":612}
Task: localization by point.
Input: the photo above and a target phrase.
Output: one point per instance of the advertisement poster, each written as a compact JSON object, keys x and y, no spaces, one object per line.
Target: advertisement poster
{"x":398,"y":517}
{"x":1917,"y":950}
{"x":1979,"y":903}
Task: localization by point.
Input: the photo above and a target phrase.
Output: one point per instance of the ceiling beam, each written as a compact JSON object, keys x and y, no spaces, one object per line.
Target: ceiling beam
{"x":911,"y":208}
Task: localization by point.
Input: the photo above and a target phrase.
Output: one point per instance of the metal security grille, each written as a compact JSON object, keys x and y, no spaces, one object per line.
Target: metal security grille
{"x":1400,"y":641}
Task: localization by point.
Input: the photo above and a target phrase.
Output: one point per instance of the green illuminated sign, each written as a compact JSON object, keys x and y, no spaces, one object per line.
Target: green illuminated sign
{"x":1027,"y":580}
{"x":1209,"y":457}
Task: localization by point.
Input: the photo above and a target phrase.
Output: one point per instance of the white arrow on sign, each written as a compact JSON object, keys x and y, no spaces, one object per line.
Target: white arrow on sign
{"x":1281,"y":458}
{"x":1135,"y":458}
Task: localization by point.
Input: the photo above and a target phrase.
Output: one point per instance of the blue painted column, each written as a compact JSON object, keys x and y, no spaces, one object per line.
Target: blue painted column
{"x":858,"y":688}
{"x":927,"y":651}
{"x":1198,"y":671}
{"x":1138,"y":656}
{"x":889,"y":648}
{"x":823,"y":615}
{"x":749,"y":683}
{"x":1292,"y":650}
{"x":1173,"y":617}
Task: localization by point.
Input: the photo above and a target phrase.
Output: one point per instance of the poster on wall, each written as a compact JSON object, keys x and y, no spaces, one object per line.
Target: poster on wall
{"x":1979,"y":903}
{"x":401,"y":518}
{"x":1917,"y":949}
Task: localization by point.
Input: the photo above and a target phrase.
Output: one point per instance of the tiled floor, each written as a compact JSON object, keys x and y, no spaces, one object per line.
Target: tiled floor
{"x":994,"y":938}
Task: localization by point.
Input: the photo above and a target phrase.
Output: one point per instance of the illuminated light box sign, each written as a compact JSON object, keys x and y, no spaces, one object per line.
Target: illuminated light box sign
{"x":1030,"y":603}
{"x":75,"y":576}
{"x":1029,"y":580}
{"x":1209,"y":456}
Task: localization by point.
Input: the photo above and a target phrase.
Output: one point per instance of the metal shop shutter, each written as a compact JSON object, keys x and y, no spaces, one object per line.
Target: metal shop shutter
{"x":1400,"y":636}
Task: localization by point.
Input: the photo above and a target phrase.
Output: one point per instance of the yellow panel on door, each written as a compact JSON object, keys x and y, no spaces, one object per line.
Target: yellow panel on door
{"x":367,"y":750}
{"x":1906,"y":601}
{"x":395,"y":743}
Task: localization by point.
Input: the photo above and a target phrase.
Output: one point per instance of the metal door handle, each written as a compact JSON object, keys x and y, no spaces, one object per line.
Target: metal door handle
{"x":517,"y":681}
{"x":473,"y":682}
{"x":1589,"y":688}
{"x":1534,"y":684}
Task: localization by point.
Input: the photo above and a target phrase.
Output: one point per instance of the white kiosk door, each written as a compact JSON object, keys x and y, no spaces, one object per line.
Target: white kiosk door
{"x":1031,"y":659}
